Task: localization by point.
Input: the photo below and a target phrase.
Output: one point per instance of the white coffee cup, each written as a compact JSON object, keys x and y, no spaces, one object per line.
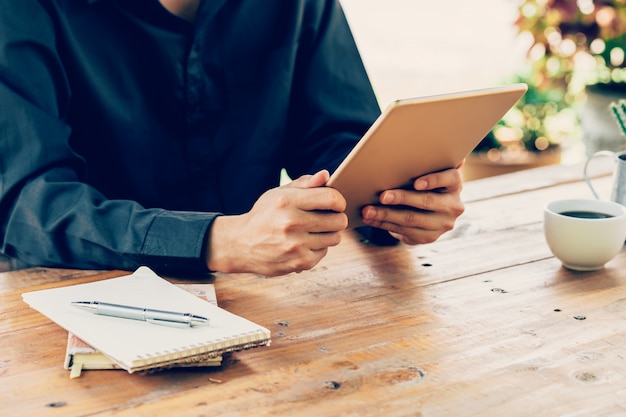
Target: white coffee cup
{"x":584,"y":243}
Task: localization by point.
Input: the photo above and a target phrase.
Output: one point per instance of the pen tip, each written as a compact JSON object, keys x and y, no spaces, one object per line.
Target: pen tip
{"x":199,"y":321}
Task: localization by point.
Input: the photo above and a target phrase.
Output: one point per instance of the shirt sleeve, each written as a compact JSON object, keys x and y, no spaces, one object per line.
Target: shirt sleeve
{"x":334,"y":100}
{"x":48,"y":215}
{"x":335,"y":96}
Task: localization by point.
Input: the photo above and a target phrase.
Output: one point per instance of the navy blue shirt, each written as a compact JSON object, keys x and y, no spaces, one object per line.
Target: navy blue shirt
{"x":124,"y":130}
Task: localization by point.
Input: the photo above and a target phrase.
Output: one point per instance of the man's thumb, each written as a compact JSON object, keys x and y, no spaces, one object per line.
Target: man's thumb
{"x":318,"y":179}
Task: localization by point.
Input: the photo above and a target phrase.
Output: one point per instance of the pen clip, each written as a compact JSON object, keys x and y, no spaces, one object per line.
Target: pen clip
{"x":169,"y":323}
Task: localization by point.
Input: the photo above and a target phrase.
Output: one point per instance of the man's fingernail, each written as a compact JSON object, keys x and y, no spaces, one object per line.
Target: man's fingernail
{"x":421,"y":185}
{"x":388,"y":198}
{"x":369,"y":213}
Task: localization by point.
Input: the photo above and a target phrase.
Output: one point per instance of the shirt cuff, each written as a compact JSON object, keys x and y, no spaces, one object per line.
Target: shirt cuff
{"x":176,"y":241}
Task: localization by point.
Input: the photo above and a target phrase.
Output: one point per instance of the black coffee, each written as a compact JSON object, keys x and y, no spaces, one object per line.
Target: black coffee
{"x":586,"y":214}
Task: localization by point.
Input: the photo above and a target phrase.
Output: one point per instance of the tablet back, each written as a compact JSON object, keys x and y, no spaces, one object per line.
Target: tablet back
{"x":413,"y":137}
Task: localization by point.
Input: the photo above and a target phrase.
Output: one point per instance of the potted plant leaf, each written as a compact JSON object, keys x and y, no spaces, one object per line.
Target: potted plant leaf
{"x":577,"y":47}
{"x":528,"y":136}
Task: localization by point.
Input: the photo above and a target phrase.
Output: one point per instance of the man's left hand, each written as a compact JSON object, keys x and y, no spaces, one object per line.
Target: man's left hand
{"x":422,"y":214}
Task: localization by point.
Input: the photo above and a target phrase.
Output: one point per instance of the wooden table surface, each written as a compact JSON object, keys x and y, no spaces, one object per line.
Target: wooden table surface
{"x":484,"y":322}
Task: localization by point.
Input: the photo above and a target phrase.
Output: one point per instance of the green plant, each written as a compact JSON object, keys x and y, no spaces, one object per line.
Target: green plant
{"x":537,"y":122}
{"x":618,"y":108}
{"x":574,"y":42}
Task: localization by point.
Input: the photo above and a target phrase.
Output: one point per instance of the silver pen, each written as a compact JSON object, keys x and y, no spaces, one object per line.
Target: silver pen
{"x":166,"y":318}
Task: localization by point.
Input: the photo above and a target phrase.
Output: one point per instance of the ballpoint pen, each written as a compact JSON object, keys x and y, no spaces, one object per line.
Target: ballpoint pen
{"x":166,"y":318}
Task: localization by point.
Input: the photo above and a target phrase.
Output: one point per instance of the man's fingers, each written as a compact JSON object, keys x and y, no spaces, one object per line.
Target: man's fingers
{"x":396,"y":219}
{"x":312,"y":199}
{"x":449,"y":179}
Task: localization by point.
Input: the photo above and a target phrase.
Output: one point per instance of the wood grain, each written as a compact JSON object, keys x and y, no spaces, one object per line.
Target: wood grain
{"x":484,"y":322}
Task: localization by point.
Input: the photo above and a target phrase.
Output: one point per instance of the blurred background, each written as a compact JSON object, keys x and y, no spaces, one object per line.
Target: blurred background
{"x":569,"y":52}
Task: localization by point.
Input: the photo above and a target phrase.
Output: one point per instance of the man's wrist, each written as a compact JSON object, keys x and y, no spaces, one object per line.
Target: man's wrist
{"x":217,"y":248}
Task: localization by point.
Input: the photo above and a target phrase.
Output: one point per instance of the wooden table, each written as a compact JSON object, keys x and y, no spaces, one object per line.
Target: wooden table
{"x":483,"y":322}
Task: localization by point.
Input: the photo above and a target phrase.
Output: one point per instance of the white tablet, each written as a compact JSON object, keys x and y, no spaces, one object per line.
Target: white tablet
{"x":417,"y":136}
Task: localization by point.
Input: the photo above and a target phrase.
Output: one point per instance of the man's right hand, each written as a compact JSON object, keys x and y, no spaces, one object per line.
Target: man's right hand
{"x":289,"y":229}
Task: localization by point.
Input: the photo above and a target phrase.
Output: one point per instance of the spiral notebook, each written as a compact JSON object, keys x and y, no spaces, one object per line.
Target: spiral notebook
{"x":80,"y":356}
{"x":137,"y":345}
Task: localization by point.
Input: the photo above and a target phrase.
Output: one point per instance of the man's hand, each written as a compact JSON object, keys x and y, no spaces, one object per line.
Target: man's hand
{"x":289,"y":229}
{"x":420,"y":215}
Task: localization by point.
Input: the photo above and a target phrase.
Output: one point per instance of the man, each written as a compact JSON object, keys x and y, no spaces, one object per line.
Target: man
{"x":147,"y":132}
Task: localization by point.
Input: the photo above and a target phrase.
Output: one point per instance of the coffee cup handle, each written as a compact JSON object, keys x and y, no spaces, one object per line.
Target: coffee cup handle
{"x":586,"y":174}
